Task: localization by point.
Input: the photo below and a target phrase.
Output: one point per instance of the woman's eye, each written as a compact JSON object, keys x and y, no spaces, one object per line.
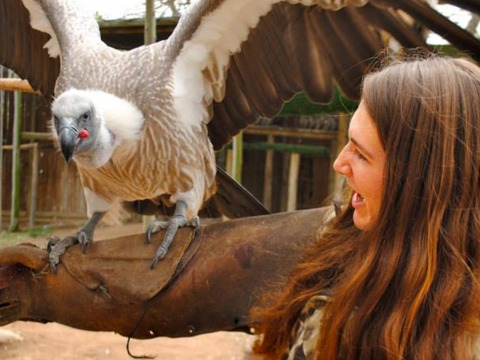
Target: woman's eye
{"x":359,"y":155}
{"x":354,"y":151}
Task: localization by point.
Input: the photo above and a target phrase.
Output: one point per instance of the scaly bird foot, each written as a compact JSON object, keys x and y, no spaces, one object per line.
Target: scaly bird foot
{"x":84,"y":240}
{"x":56,"y":246}
{"x":172,"y":226}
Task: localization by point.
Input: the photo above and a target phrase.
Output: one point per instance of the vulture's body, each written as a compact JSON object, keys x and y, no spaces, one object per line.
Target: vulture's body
{"x":152,"y":153}
{"x":157,"y":113}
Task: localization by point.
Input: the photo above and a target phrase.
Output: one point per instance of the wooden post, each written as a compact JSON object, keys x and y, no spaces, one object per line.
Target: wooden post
{"x":33,"y":186}
{"x":268,"y":175}
{"x":150,"y":36}
{"x":150,"y":30}
{"x":17,"y":125}
{"x":293,"y":181}
{"x":473,"y":24}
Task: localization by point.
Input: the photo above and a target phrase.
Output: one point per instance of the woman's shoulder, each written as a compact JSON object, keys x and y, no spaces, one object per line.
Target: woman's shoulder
{"x":305,"y":333}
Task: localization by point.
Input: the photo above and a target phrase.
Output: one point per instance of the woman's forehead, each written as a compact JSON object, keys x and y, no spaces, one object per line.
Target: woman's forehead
{"x":363,"y":131}
{"x":361,"y":121}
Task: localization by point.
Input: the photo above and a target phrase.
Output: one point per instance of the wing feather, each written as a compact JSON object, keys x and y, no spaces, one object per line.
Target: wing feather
{"x":273,"y":51}
{"x":391,"y":22}
{"x":315,"y":48}
{"x":453,"y":33}
{"x":22,"y":48}
{"x":299,"y":36}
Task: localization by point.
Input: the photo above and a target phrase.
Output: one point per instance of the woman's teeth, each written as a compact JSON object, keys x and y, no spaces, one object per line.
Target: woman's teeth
{"x":359,"y":198}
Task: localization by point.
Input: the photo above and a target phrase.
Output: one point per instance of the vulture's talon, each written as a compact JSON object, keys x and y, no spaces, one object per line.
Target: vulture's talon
{"x":159,"y":255}
{"x":54,"y":260}
{"x":51,"y":242}
{"x":195,"y":223}
{"x":56,"y":247}
{"x":84,"y":240}
{"x":175,"y":222}
{"x":154,"y":227}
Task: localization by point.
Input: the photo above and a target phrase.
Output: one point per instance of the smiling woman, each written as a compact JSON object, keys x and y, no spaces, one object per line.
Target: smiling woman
{"x":362,"y":162}
{"x":395,"y":276}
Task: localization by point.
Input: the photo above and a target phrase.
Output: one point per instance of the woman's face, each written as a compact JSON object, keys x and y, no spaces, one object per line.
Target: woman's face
{"x":362,"y":161}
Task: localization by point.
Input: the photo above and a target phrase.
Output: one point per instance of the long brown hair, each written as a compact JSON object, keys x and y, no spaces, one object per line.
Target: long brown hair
{"x":408,"y":288}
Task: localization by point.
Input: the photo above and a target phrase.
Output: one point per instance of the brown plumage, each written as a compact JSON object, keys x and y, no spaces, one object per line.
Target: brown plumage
{"x":154,"y":115}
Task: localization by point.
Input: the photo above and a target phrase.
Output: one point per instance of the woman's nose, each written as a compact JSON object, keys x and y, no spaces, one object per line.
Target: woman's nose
{"x":341,"y":164}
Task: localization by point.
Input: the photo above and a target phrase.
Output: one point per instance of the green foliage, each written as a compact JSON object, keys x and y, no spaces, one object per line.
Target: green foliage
{"x":14,"y":238}
{"x":302,"y":105}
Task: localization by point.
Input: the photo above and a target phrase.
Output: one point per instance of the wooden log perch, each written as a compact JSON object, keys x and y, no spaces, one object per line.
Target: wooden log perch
{"x":203,"y":285}
{"x":14,"y":84}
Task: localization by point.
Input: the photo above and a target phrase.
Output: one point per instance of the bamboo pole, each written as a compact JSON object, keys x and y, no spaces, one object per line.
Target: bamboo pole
{"x":237,"y":160}
{"x":37,"y":136}
{"x":17,"y":125}
{"x":33,"y":187}
{"x":293,"y":181}
{"x":33,"y":190}
{"x":228,"y":161}
{"x":268,"y":175}
{"x":21,"y":147}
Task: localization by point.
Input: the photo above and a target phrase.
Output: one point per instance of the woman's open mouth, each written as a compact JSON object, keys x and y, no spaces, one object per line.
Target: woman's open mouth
{"x":357,"y":200}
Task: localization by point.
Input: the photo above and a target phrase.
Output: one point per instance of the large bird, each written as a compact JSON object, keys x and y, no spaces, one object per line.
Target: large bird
{"x":145,"y":123}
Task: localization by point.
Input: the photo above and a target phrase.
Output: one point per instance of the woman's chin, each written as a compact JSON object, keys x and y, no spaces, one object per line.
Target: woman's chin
{"x":361,"y":222}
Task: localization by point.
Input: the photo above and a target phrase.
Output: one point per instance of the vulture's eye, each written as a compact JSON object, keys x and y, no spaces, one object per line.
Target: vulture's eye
{"x":86,"y":115}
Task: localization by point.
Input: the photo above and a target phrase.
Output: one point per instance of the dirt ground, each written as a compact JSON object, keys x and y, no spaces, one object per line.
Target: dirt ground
{"x":32,"y":341}
{"x":55,"y":341}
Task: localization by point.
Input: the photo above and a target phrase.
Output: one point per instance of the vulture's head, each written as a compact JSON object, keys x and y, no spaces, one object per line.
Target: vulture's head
{"x":89,"y":125}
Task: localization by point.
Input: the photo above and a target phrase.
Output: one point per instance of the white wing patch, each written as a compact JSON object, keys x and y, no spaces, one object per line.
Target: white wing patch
{"x":218,"y":37}
{"x":40,"y":22}
{"x":206,"y":56}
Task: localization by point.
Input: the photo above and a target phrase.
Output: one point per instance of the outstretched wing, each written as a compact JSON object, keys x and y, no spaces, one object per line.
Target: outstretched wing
{"x":35,"y":36}
{"x":235,"y":61}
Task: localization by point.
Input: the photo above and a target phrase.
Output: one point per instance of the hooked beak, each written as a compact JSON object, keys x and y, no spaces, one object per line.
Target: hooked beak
{"x":67,"y":137}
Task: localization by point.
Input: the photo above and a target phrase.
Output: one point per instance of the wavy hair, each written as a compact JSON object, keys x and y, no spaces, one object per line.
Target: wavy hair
{"x":408,"y":288}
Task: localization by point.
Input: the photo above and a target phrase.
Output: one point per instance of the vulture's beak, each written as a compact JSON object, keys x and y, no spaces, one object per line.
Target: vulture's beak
{"x":67,"y":137}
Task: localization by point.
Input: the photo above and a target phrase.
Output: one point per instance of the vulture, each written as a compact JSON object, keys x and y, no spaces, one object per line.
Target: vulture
{"x":145,"y":123}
